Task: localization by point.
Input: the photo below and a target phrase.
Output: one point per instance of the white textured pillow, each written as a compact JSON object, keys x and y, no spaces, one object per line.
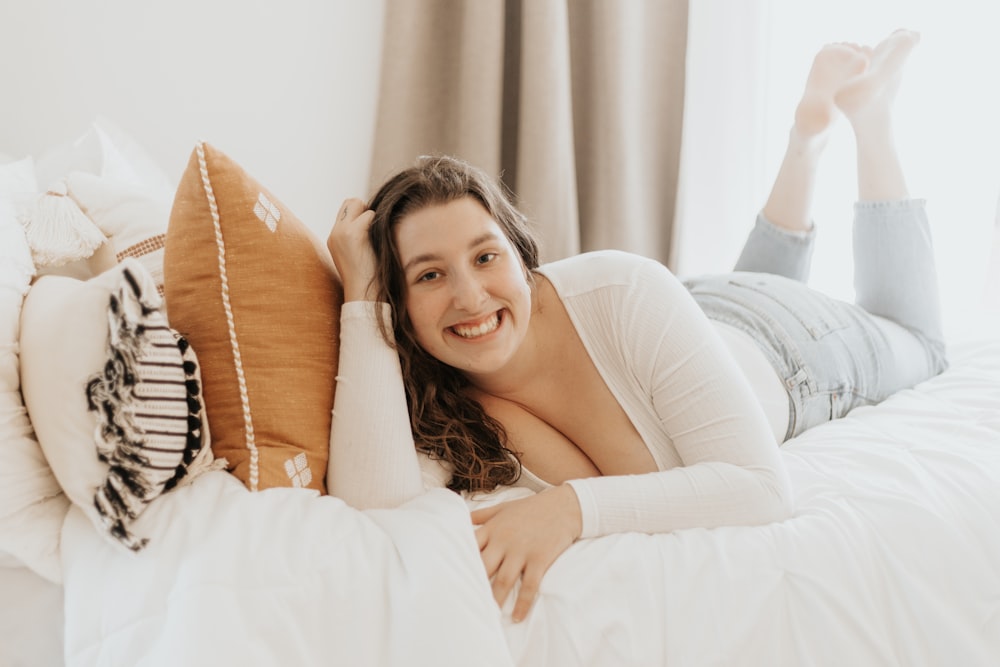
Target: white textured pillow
{"x":113,"y":393}
{"x":32,"y":506}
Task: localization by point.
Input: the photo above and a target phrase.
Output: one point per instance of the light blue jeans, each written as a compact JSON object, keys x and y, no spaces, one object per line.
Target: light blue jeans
{"x":833,"y":356}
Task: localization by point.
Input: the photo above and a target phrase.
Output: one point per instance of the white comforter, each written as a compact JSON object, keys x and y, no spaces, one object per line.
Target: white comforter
{"x":892,"y":558}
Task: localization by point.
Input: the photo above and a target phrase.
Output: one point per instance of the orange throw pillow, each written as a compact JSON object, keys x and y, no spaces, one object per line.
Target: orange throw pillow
{"x":257,"y":296}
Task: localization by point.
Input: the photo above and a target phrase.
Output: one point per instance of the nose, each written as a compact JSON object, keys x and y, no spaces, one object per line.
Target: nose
{"x":468,"y":292}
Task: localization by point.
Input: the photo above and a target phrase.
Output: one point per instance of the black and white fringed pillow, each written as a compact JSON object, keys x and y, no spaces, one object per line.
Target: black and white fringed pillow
{"x":151,"y":426}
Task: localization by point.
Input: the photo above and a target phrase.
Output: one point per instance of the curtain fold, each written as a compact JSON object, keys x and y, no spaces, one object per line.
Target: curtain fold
{"x":576,"y":104}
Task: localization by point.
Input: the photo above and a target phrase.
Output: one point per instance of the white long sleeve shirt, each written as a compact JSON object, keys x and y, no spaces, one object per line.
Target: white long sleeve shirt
{"x":661,"y":358}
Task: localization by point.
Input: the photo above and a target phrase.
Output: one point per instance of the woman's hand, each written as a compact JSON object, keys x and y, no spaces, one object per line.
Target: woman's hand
{"x":351,"y":250}
{"x":520,"y":539}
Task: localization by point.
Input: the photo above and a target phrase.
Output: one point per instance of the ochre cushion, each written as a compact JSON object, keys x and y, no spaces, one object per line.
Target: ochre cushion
{"x":258,"y":297}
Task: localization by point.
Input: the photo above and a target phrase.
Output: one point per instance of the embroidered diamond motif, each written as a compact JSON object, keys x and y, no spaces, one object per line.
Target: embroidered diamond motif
{"x":267,"y":212}
{"x":298,"y":471}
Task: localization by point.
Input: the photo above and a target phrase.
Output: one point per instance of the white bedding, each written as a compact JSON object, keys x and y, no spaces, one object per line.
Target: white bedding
{"x":31,"y":619}
{"x":892,"y":558}
{"x":281,"y":577}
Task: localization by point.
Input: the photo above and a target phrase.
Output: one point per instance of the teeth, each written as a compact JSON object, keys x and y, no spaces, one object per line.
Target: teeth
{"x":480,"y":329}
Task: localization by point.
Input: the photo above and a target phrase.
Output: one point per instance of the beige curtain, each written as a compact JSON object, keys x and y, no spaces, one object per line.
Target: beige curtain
{"x":576,"y":104}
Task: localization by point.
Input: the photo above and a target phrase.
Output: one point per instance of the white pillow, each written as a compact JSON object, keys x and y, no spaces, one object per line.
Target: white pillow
{"x":106,"y":151}
{"x":113,"y":393}
{"x":115,"y":184}
{"x":18,"y":186}
{"x":32,"y":506}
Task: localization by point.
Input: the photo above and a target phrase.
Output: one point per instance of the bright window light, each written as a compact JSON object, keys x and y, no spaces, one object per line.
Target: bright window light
{"x":748,"y":63}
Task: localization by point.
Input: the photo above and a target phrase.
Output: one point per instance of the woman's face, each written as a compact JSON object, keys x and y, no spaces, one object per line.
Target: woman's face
{"x":467,"y":292}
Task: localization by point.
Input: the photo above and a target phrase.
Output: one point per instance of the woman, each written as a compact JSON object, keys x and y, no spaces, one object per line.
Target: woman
{"x":628,"y":400}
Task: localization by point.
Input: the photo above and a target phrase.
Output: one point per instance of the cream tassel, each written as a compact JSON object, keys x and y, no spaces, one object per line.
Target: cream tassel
{"x":57,"y":230}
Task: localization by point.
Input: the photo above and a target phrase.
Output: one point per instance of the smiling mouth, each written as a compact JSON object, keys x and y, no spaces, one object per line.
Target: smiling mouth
{"x":488,"y":325}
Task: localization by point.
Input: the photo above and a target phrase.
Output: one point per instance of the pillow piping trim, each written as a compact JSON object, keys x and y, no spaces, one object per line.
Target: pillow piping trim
{"x":230,"y":321}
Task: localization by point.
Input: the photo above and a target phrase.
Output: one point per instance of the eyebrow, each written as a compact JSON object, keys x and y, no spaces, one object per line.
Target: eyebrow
{"x":430,"y":257}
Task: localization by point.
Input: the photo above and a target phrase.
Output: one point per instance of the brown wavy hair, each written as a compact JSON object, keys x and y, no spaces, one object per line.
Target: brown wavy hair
{"x":447,"y":422}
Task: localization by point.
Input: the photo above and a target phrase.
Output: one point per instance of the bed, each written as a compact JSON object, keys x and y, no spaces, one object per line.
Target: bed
{"x":892,"y":556}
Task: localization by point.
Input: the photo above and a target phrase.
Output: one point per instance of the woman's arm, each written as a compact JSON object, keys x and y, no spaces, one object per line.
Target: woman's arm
{"x":730,"y":471}
{"x":373,"y":462}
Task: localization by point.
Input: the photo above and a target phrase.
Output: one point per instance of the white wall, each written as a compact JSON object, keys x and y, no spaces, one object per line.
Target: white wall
{"x":287,"y":89}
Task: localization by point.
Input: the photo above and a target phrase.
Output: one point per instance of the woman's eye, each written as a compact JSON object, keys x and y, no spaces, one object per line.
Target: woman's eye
{"x":427,"y":277}
{"x":486,"y":258}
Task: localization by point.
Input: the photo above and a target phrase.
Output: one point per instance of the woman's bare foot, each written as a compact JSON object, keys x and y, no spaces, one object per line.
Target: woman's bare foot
{"x":875,"y":89}
{"x":832,"y":67}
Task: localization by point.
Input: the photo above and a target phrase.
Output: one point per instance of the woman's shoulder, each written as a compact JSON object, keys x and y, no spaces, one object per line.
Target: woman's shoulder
{"x":598,"y":268}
